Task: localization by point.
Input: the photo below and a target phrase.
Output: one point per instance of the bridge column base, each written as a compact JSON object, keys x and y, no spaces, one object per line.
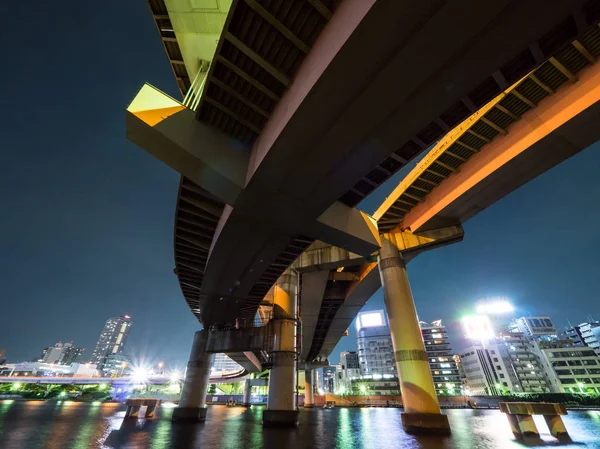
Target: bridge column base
{"x":280,"y":418}
{"x":422,"y":410}
{"x":425,"y":423}
{"x":189,"y":414}
{"x":192,"y":403}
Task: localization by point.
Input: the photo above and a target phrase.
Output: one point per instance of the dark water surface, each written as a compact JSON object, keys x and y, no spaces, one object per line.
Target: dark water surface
{"x":72,"y":425}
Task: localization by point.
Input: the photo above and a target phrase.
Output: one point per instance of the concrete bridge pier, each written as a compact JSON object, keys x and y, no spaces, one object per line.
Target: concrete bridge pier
{"x":309,"y":401}
{"x":247,"y":393}
{"x":281,"y":404}
{"x":192,"y":404}
{"x":421,"y":408}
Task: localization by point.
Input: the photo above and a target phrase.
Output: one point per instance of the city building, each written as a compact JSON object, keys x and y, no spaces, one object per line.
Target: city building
{"x":587,"y":334}
{"x":375,"y":387}
{"x":374,"y":342}
{"x":444,"y":371}
{"x":223,"y":364}
{"x":506,"y":364}
{"x":537,"y":327}
{"x":350,"y":367}
{"x":61,"y":354}
{"x":570,"y":368}
{"x":329,"y":379}
{"x":116,"y":365}
{"x":112,"y":339}
{"x":485,"y":372}
{"x":520,"y":354}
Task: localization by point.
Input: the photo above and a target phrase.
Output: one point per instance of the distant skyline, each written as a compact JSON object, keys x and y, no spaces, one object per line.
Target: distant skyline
{"x":87,"y":223}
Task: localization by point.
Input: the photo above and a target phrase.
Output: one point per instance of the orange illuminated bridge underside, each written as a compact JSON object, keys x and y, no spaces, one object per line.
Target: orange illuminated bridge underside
{"x":551,"y":114}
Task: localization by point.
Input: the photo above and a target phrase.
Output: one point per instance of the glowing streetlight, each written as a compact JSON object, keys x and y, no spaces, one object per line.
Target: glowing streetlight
{"x":16,"y":385}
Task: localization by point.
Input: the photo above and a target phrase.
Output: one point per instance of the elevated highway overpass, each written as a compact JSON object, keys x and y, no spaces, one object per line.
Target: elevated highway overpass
{"x":293,"y":112}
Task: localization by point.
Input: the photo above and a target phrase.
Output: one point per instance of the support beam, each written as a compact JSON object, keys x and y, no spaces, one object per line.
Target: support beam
{"x":421,"y":409}
{"x":247,"y":393}
{"x":261,"y":11}
{"x":556,"y":63}
{"x":192,"y":404}
{"x":169,"y":131}
{"x":270,"y":68}
{"x":281,"y":405}
{"x":239,"y":72}
{"x":584,"y":51}
{"x":309,"y":401}
{"x":321,"y":8}
{"x":347,"y":228}
{"x":523,"y":98}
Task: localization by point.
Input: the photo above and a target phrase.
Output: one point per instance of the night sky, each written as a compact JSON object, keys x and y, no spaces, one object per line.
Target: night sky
{"x":87,"y":222}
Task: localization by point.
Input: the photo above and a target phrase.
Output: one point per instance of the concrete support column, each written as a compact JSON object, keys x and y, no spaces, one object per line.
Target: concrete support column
{"x":281,"y":406}
{"x":192,"y":403}
{"x":557,"y":427}
{"x":247,"y":393}
{"x":309,"y":401}
{"x":421,"y":409}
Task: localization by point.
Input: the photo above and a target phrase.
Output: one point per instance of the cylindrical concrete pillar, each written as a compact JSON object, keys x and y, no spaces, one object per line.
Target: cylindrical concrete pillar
{"x":281,"y":407}
{"x":422,"y":411}
{"x":192,"y":403}
{"x":247,"y":393}
{"x":309,"y":401}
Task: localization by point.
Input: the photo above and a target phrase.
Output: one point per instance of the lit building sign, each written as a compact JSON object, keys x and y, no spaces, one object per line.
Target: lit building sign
{"x":477,"y":327}
{"x":370,"y":319}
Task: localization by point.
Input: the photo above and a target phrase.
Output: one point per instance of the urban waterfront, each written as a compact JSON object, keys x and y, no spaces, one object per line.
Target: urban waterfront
{"x":74,"y":425}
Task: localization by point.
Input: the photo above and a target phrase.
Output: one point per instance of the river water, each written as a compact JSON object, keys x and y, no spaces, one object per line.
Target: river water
{"x":73,"y":425}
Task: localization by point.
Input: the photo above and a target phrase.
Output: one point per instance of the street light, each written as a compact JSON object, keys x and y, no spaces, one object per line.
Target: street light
{"x":581,"y":385}
{"x":160,"y":365}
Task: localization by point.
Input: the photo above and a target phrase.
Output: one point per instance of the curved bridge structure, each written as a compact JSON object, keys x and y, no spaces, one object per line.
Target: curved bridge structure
{"x":294,"y":111}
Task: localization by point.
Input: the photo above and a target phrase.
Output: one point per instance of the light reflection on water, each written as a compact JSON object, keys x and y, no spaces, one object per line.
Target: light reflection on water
{"x":49,"y":425}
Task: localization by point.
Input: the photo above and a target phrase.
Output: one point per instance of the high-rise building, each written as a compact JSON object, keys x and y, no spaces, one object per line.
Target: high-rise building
{"x":61,"y":354}
{"x":350,"y":367}
{"x":587,"y":334}
{"x":534,"y":327}
{"x":570,"y":368}
{"x":374,"y":342}
{"x":507,"y":363}
{"x":223,"y":364}
{"x":444,"y":371}
{"x":112,"y":339}
{"x":116,"y":365}
{"x":329,"y":379}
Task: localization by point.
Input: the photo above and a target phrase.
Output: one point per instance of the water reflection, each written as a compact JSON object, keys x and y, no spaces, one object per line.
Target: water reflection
{"x":82,"y":426}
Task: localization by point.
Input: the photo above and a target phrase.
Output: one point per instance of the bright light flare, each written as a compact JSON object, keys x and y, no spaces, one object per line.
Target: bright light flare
{"x":16,"y":385}
{"x":174,"y":376}
{"x":494,"y":306}
{"x":477,"y":327}
{"x":139,"y":375}
{"x":370,"y":319}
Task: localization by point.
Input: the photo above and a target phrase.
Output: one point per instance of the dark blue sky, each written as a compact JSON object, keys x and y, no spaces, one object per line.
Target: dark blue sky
{"x":87,"y":221}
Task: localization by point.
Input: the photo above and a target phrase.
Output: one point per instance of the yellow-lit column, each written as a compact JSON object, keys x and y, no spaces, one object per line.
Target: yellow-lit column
{"x":192,"y":403}
{"x":309,"y":401}
{"x":421,"y":408}
{"x":281,"y":405}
